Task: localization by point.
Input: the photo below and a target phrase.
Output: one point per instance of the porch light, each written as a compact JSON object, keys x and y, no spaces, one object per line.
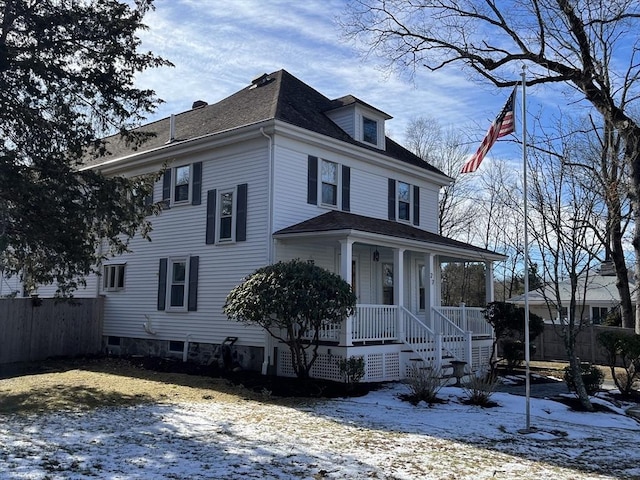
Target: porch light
{"x":376,"y":255}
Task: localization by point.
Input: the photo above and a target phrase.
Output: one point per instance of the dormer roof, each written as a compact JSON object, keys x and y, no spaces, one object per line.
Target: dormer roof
{"x":350,"y":100}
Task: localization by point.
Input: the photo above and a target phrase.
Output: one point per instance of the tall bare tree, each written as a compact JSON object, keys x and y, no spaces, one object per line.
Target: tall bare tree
{"x":590,"y":46}
{"x":444,"y":149}
{"x":564,"y":214}
{"x":599,"y":150}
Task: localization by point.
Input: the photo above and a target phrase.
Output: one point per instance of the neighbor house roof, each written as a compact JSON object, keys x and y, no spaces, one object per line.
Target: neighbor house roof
{"x":340,"y":221}
{"x":276,"y":96}
{"x":599,"y":289}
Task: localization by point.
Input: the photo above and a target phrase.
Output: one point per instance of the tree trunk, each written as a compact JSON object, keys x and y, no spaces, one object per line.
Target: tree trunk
{"x":622,"y":283}
{"x":576,"y":371}
{"x":632,"y":156}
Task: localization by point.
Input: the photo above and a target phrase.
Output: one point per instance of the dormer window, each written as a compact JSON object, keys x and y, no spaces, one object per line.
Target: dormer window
{"x":369,"y":130}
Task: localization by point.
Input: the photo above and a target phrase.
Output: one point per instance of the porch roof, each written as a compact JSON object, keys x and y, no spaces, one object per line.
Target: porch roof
{"x":350,"y":224}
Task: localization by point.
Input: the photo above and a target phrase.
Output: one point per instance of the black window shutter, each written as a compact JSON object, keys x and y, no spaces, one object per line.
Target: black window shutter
{"x":211,"y":217}
{"x":346,"y":189}
{"x":166,"y":187}
{"x":192,"y":303}
{"x":312,"y":180}
{"x":148,"y":200}
{"x":196,"y":187}
{"x":162,"y":284}
{"x":392,"y":199}
{"x":241,"y":213}
{"x":416,"y":205}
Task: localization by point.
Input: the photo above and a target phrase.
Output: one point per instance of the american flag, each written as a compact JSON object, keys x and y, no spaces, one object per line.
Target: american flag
{"x":504,"y":124}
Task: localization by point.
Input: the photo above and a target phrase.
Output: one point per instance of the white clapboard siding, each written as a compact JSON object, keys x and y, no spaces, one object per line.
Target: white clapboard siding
{"x":88,"y":291}
{"x":368,"y":192}
{"x":180,"y":231}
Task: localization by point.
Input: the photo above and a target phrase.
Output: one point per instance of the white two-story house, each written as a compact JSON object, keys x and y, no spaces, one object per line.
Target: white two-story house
{"x":278,"y":171}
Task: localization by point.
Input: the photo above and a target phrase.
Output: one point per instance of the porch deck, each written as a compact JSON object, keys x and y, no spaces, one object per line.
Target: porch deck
{"x":390,"y":339}
{"x":376,"y":324}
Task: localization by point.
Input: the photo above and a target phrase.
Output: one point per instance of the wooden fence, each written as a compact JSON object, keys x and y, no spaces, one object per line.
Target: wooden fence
{"x":549,"y":345}
{"x":35,"y":329}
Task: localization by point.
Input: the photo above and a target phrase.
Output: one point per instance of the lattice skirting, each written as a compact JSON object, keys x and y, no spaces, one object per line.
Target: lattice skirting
{"x":379,"y":367}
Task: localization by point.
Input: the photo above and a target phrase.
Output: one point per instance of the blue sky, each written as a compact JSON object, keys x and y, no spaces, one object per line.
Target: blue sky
{"x":218,"y":47}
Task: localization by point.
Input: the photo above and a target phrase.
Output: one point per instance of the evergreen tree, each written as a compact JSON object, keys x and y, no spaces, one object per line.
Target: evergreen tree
{"x":67,"y":72}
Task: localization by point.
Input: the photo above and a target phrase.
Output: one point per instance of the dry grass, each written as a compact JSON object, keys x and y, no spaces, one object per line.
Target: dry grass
{"x":88,"y":384}
{"x":82,"y":385}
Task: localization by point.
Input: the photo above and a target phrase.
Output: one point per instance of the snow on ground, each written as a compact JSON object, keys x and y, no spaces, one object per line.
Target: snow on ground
{"x":375,"y":436}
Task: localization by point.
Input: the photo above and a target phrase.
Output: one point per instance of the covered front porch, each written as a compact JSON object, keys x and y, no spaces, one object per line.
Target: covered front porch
{"x":394,"y":269}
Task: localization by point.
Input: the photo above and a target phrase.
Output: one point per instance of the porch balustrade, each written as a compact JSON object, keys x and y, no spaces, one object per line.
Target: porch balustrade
{"x":451,"y":327}
{"x":375,"y":323}
{"x":468,"y":319}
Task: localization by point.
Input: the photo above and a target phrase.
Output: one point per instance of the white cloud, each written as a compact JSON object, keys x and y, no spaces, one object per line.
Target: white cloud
{"x":218,"y":47}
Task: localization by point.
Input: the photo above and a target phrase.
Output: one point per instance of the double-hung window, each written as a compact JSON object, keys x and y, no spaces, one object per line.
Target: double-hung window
{"x":178,"y":284}
{"x":369,"y":131}
{"x":226,"y":216}
{"x":329,"y":183}
{"x":113,"y":277}
{"x":404,"y":201}
{"x":182,"y":185}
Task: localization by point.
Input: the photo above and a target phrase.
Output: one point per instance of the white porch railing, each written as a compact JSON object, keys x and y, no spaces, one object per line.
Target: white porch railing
{"x":455,"y":341}
{"x":422,"y":340}
{"x":450,"y":332}
{"x":374,"y":323}
{"x":469,"y":319}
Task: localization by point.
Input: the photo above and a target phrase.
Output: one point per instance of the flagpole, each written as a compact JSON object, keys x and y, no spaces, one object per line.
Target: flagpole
{"x":527,"y":353}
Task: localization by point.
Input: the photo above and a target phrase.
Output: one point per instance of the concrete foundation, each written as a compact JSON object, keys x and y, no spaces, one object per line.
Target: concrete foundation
{"x":227,"y":356}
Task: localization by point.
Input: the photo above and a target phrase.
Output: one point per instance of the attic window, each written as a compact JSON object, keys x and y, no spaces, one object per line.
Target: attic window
{"x":369,"y":130}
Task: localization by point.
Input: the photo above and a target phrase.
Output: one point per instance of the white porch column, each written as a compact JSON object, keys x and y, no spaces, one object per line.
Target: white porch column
{"x":346,"y":260}
{"x":437,"y":282}
{"x":346,"y":272}
{"x":489,"y":288}
{"x":398,"y":276}
{"x":429,"y":287}
{"x":398,"y":286}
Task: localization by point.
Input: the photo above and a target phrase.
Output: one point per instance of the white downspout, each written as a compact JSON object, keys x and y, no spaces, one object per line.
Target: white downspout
{"x":99,"y":278}
{"x":270,"y":200}
{"x":268,"y":343}
{"x":185,"y":350}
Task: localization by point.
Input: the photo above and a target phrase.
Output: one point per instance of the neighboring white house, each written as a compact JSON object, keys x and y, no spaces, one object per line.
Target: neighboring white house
{"x":594,"y":301}
{"x":273,"y":172}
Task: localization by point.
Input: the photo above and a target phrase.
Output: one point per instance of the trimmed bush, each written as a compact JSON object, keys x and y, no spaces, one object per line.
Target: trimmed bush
{"x":592,"y":377}
{"x":624,"y":349}
{"x":352,"y":370}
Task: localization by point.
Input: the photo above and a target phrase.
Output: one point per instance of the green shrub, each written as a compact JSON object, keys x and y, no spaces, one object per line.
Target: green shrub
{"x":592,"y":377}
{"x":513,"y":352}
{"x":622,"y":349}
{"x":352,"y":370}
{"x":613,"y":318}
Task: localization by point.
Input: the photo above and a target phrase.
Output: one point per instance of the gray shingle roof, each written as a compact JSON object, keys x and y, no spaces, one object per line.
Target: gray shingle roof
{"x":336,"y":220}
{"x":283,"y":97}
